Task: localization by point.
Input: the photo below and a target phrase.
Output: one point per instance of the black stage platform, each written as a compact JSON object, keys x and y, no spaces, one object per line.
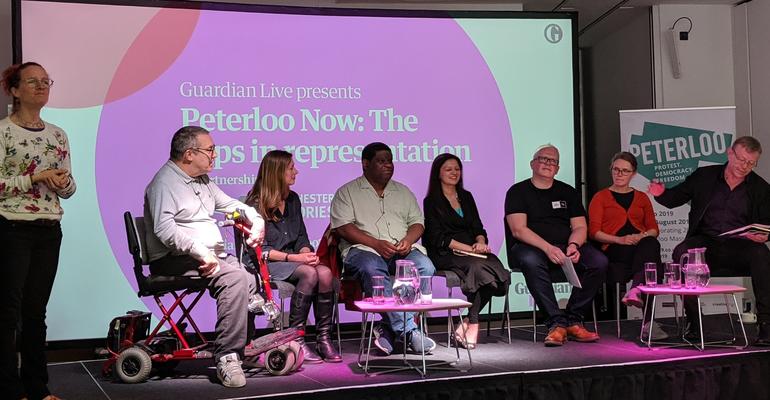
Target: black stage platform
{"x":610,"y":369}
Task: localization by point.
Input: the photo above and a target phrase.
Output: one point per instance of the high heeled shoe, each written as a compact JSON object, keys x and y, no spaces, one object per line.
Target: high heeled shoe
{"x":462,"y":342}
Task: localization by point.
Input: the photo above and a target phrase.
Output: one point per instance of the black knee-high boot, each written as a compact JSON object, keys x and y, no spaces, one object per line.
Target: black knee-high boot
{"x":323,"y":310}
{"x":300,"y":307}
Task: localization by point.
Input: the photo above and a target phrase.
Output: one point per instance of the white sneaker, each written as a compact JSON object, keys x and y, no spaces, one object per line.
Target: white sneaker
{"x":229,"y":371}
{"x":657,"y":332}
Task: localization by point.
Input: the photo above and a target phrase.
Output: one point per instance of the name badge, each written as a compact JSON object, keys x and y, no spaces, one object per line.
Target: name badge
{"x":558,"y":204}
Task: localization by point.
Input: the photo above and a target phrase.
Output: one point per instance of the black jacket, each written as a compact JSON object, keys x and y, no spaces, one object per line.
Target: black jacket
{"x":442,"y":223}
{"x":697,"y":189}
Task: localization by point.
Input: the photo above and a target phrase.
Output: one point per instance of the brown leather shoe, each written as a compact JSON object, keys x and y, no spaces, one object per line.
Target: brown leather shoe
{"x":580,"y":334}
{"x":556,"y":337}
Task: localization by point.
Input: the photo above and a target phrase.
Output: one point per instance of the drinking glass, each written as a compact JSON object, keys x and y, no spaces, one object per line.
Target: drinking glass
{"x":426,"y":289}
{"x":651,"y":274}
{"x":690,"y":276}
{"x":378,"y":289}
{"x":673,"y":275}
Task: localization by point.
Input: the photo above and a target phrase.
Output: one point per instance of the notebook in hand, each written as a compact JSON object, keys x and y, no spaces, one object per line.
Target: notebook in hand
{"x":569,"y":272}
{"x":748,"y":229}
{"x":468,"y":253}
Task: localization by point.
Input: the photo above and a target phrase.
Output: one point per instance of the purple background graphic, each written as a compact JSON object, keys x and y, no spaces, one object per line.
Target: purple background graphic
{"x":428,"y":68}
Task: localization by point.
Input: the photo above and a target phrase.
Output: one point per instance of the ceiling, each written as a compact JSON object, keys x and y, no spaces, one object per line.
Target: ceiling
{"x":596,"y":18}
{"x":591,"y":13}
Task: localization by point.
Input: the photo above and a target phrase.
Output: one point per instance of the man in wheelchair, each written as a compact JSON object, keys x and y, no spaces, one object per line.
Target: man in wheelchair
{"x":183,"y":239}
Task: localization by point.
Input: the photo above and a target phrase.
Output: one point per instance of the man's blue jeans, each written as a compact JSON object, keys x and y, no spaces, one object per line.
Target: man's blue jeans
{"x":363,"y":265}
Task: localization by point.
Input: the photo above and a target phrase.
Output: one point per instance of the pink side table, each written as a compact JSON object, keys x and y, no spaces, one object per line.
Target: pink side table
{"x":726,"y":290}
{"x":370,"y":309}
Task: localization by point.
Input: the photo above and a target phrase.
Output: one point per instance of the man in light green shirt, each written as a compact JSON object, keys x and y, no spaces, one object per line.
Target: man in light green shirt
{"x":380,"y":222}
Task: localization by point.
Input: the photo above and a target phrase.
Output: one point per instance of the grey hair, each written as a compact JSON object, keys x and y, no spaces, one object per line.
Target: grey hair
{"x":185,"y":138}
{"x":543,"y":147}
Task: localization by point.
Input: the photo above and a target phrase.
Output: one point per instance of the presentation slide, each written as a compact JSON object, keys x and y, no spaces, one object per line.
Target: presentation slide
{"x":487,"y":87}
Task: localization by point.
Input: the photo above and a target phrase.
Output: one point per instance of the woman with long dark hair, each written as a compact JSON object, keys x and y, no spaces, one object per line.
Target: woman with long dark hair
{"x":291,"y":257}
{"x":34,"y":175}
{"x":456,"y":241}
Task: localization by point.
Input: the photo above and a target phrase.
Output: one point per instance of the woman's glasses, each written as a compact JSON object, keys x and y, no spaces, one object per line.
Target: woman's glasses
{"x":33,"y":82}
{"x":621,"y":171}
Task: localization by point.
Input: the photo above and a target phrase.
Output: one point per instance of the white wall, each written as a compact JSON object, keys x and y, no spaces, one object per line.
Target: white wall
{"x":6,"y":49}
{"x":752,"y":80}
{"x":706,"y":59}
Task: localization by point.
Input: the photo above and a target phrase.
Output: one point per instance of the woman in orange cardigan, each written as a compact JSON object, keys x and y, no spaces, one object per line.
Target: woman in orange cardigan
{"x":622,"y":219}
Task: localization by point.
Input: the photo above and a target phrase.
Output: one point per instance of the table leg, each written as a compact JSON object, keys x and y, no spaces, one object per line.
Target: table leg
{"x":652,"y":320}
{"x":740,"y":320}
{"x":369,"y":346}
{"x":422,"y":324}
{"x":363,"y":339}
{"x":676,"y":311}
{"x":468,"y":350}
{"x":644,"y":317}
{"x":732,"y":325}
{"x":700,"y":325}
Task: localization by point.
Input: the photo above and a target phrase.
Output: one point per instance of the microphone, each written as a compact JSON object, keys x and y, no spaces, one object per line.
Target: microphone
{"x":196,"y":191}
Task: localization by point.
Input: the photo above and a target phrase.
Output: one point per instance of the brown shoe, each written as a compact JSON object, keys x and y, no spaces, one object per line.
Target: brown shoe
{"x":580,"y":334}
{"x":556,"y":337}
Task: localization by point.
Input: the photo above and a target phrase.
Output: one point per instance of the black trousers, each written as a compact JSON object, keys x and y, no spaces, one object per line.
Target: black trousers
{"x":732,"y":257}
{"x":647,"y":250}
{"x":536,"y":267}
{"x":28,"y":264}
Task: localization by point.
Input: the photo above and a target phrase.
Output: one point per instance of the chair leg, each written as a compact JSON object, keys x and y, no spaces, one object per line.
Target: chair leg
{"x":449,"y":321}
{"x":489,"y":316}
{"x":505,"y":323}
{"x":617,"y":306}
{"x":534,"y":320}
{"x":593,"y":309}
{"x":336,"y":321}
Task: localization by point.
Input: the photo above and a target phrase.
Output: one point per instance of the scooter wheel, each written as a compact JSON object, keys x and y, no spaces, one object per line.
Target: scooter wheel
{"x":298,"y":353}
{"x":133,"y":365}
{"x":280,"y":361}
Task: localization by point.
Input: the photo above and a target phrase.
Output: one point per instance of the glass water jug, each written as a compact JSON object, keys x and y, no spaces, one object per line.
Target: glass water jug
{"x":695,"y":269}
{"x":406,"y":287}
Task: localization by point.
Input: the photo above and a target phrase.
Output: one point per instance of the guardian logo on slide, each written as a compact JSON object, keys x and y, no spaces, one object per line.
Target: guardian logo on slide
{"x":553,"y":33}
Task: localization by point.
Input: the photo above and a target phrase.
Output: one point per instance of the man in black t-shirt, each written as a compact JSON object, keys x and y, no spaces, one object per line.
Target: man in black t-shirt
{"x":546,"y":224}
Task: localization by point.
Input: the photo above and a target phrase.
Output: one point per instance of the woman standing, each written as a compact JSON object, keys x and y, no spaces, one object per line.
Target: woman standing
{"x":290,"y":255}
{"x":453,"y":226}
{"x":34,"y":174}
{"x":623,"y":220}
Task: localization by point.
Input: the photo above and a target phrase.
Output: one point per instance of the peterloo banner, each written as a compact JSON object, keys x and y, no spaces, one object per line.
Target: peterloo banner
{"x":669,"y":144}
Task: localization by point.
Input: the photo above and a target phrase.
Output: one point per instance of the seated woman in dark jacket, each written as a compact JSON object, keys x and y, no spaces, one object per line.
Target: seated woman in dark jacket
{"x":290,"y":255}
{"x":452,"y":224}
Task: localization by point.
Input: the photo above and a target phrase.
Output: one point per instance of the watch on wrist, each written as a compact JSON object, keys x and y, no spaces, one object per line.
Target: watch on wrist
{"x":577,"y":246}
{"x":286,"y":259}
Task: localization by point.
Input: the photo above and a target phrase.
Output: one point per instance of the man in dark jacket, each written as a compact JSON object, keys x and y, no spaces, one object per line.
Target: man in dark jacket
{"x":723,"y":198}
